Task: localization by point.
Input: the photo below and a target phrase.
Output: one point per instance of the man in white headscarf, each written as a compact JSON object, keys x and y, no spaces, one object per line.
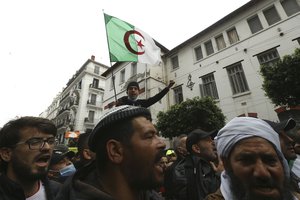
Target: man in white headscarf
{"x":255,"y":168}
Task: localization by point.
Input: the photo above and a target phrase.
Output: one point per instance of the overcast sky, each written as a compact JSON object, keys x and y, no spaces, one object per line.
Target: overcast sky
{"x":44,"y":42}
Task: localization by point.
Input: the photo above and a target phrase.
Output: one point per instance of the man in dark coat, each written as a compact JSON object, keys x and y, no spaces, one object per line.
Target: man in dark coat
{"x":202,"y":179}
{"x":133,"y":91}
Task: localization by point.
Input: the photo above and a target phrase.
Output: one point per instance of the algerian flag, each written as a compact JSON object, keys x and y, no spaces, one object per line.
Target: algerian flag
{"x":128,"y":43}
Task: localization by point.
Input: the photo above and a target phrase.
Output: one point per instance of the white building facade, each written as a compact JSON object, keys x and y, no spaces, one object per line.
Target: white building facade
{"x":222,"y":61}
{"x":81,"y":101}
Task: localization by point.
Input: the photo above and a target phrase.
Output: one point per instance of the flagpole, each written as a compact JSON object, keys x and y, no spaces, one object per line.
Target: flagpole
{"x":146,"y":81}
{"x":112,"y":71}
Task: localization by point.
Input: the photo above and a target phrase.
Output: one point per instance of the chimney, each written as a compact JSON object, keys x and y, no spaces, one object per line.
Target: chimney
{"x":93,"y":58}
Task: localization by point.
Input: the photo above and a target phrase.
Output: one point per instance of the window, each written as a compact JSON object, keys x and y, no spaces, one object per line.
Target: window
{"x":271,"y":15}
{"x":133,"y":69}
{"x":122,"y":76}
{"x":254,"y":24}
{"x":93,"y":99}
{"x":91,"y":116}
{"x":209,"y":47}
{"x":237,"y":78}
{"x":220,"y":42}
{"x":178,"y":96}
{"x":112,"y":82}
{"x":232,"y":36}
{"x":97,"y":70}
{"x":290,"y":7}
{"x":268,"y":57}
{"x":95,"y":83}
{"x":198,"y":53}
{"x":208,"y":87}
{"x":175,"y":62}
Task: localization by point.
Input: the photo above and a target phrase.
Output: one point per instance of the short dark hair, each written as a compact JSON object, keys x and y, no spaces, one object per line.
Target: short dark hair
{"x":82,"y":142}
{"x":10,"y":132}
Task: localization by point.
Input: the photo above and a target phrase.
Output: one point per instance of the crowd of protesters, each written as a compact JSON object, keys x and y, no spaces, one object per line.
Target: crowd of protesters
{"x":124,"y":158}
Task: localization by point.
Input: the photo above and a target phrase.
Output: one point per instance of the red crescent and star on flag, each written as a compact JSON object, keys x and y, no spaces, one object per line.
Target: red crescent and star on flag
{"x":139,"y":43}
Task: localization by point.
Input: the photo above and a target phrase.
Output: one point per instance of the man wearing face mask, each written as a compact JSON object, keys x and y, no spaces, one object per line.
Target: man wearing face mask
{"x":61,"y":167}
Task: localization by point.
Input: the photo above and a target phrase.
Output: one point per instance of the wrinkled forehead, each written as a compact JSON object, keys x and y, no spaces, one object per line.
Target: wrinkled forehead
{"x":254,"y":145}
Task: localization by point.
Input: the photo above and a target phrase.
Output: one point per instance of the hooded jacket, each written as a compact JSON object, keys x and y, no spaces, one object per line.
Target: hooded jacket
{"x":85,"y":184}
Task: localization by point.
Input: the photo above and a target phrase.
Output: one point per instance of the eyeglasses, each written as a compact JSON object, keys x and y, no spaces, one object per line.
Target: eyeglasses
{"x":38,"y":143}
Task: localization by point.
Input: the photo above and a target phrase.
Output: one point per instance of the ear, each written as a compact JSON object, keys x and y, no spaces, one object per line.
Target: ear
{"x":196,"y":148}
{"x":114,"y":151}
{"x":5,"y":154}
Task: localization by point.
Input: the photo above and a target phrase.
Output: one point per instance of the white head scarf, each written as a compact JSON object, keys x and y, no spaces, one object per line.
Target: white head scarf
{"x":241,"y":128}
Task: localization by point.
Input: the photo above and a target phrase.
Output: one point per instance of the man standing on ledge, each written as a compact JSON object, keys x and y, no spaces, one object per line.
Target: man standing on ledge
{"x":133,"y":91}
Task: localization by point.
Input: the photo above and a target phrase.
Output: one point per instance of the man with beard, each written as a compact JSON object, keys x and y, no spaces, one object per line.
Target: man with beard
{"x":255,"y":168}
{"x":127,"y":166}
{"x":26,"y":145}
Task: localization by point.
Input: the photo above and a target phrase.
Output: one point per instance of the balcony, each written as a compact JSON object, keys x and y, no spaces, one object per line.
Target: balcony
{"x":65,"y":110}
{"x":94,"y":104}
{"x":95,"y":88}
{"x":88,"y":121}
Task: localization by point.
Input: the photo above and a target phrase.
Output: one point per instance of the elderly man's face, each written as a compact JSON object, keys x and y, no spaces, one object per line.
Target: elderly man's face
{"x":256,"y":170}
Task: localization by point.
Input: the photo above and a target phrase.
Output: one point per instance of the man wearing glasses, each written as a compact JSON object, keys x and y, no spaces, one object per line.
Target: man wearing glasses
{"x":26,"y":146}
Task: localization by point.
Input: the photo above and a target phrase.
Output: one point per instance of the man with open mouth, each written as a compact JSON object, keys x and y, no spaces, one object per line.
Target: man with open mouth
{"x":255,"y":167}
{"x":127,"y":166}
{"x":26,"y":146}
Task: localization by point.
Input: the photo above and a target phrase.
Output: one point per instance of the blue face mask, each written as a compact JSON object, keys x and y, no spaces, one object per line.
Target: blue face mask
{"x":67,"y":171}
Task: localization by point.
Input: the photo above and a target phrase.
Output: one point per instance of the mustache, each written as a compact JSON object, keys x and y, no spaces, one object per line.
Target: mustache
{"x":265,"y":183}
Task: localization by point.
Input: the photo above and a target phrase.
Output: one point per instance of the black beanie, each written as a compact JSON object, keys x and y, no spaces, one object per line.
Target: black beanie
{"x":112,"y":117}
{"x":133,"y":83}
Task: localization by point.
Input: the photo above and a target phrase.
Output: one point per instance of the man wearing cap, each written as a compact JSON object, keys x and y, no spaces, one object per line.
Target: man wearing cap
{"x":287,"y":145}
{"x":127,"y":166}
{"x":61,"y":167}
{"x":133,"y":91}
{"x":201,"y":177}
{"x":255,"y":167}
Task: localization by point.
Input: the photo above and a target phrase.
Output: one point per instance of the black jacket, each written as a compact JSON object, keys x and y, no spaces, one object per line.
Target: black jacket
{"x":201,"y":178}
{"x":175,"y":181}
{"x":85,"y":185}
{"x":10,"y":190}
{"x":143,"y":102}
{"x":192,"y":179}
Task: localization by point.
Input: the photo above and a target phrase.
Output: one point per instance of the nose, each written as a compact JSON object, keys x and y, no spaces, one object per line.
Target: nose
{"x":260,"y":170}
{"x":161,"y":143}
{"x":45,"y":146}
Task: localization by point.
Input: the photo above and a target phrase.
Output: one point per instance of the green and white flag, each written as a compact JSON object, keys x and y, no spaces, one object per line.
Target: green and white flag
{"x":128,"y":43}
